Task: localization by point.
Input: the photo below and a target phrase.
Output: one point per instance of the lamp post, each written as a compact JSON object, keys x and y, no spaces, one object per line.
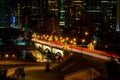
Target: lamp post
{"x":83,"y":41}
{"x":86,"y":33}
{"x":65,"y":49}
{"x":6,"y":56}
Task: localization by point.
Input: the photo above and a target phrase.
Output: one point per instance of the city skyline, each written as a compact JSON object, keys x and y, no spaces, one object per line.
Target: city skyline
{"x":75,"y":17}
{"x":59,"y":39}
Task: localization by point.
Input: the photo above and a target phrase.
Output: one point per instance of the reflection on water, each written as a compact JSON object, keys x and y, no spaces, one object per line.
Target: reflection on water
{"x":11,"y":54}
{"x":39,"y":56}
{"x":22,"y":55}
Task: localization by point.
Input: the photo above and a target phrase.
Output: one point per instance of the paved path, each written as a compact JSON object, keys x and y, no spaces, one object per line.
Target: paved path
{"x":38,"y":73}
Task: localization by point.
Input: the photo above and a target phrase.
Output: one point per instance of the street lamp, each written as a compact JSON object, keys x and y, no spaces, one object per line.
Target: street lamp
{"x":6,"y":55}
{"x":86,"y":33}
{"x":94,"y":41}
{"x":83,"y":41}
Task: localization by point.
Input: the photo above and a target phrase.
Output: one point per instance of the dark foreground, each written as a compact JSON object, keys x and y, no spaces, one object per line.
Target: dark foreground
{"x":74,"y":64}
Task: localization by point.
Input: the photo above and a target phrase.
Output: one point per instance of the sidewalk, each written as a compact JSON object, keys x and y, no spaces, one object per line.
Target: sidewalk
{"x":41,"y":75}
{"x":37,"y":72}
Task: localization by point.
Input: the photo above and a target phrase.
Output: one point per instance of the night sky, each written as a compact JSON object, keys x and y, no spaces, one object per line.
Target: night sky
{"x":14,"y":3}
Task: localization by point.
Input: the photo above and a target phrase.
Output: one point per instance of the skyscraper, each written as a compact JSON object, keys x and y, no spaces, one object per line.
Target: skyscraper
{"x":5,"y":13}
{"x":73,"y":15}
{"x":118,"y":17}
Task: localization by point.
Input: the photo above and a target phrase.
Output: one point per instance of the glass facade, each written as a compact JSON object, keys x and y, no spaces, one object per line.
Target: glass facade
{"x":62,"y":15}
{"x":5,"y":13}
{"x":74,"y":14}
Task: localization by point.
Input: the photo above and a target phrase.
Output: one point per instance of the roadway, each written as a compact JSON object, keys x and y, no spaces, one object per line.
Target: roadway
{"x":37,"y":72}
{"x":74,"y":63}
{"x":85,"y":51}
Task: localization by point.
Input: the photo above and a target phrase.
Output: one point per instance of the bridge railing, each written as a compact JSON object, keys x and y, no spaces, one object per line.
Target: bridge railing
{"x":83,"y":50}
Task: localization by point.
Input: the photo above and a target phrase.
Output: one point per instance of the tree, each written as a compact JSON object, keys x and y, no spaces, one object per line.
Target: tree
{"x":9,"y":34}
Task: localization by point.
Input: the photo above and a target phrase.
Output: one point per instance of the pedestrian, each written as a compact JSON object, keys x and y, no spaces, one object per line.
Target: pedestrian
{"x":47,"y":68}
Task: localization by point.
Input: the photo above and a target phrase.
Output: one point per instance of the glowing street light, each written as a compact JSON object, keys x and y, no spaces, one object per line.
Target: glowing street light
{"x":6,"y":55}
{"x":94,"y":41}
{"x":74,"y":39}
{"x":66,"y":47}
{"x":67,"y":39}
{"x":71,"y":42}
{"x":83,"y":41}
{"x":86,"y":33}
{"x":13,"y":55}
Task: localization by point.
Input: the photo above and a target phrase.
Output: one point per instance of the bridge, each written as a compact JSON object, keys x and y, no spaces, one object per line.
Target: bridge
{"x":58,"y":48}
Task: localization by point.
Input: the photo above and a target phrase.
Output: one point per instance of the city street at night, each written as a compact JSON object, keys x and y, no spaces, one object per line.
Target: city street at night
{"x":59,"y":39}
{"x":37,"y":72}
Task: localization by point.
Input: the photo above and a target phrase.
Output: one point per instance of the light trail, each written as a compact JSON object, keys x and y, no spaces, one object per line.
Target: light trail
{"x":95,"y":53}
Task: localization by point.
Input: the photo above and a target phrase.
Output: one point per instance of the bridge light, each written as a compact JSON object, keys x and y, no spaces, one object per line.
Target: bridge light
{"x":74,"y":39}
{"x":38,"y":37}
{"x":83,"y":40}
{"x":67,"y":39}
{"x":46,"y":38}
{"x":74,"y":43}
{"x":56,"y":39}
{"x":71,"y":42}
{"x":61,"y":38}
{"x":66,"y":47}
{"x":43,"y":35}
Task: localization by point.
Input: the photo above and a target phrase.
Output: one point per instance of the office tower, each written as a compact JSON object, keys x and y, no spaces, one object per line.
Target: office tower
{"x":5,"y":13}
{"x":69,"y":16}
{"x":29,"y":13}
{"x":24,"y":12}
{"x":102,"y":15}
{"x":118,"y":17}
{"x":19,"y":15}
{"x":52,"y":16}
{"x":74,"y":15}
{"x":35,"y":13}
{"x":53,"y":7}
{"x":62,"y":15}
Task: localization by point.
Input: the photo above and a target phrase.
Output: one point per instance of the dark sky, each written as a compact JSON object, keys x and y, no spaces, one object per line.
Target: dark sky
{"x":14,"y":3}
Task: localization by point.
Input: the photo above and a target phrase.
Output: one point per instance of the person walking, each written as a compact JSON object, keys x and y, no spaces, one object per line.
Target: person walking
{"x":47,"y":67}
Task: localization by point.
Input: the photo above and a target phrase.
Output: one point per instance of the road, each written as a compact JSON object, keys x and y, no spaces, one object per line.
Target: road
{"x":37,"y":72}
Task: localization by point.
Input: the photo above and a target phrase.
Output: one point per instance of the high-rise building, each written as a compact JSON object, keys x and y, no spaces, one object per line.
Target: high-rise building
{"x":72,"y":16}
{"x":52,"y":15}
{"x":118,"y":17}
{"x":30,"y":13}
{"x":5,"y":13}
{"x":53,"y":7}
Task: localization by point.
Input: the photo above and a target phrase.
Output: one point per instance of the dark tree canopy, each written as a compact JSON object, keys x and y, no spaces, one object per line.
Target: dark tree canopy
{"x":7,"y":34}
